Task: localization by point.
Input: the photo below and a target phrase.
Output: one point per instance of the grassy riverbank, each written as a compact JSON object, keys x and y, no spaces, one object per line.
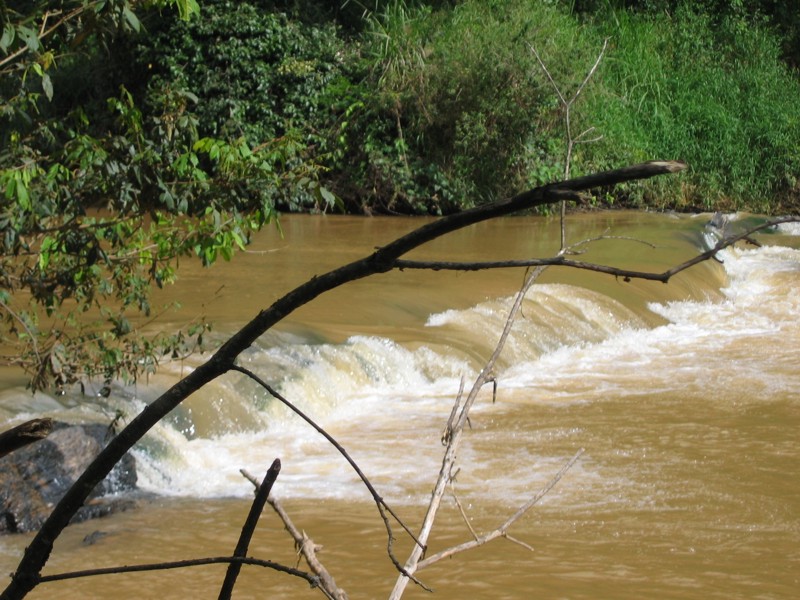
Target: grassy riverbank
{"x":456,"y":110}
{"x":428,"y":107}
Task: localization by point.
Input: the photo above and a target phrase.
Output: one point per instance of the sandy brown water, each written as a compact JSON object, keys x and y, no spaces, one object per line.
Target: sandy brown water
{"x":688,"y":411}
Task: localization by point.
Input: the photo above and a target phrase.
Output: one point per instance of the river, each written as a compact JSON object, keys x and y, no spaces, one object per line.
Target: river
{"x":685,"y":398}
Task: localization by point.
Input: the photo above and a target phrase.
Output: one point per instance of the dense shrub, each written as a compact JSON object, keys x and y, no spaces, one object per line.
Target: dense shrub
{"x":466,"y":114}
{"x":255,"y":73}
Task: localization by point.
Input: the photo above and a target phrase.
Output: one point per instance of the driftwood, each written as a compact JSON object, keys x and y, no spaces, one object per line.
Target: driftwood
{"x":24,"y":434}
{"x":249,"y":527}
{"x":304,"y":544}
{"x":27,"y":574}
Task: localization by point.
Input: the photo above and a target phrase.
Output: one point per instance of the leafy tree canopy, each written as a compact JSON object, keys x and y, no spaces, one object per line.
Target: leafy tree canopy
{"x":102,"y":192}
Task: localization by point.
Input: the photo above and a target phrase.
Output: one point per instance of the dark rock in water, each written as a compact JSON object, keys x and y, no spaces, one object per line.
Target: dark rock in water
{"x":33,"y":479}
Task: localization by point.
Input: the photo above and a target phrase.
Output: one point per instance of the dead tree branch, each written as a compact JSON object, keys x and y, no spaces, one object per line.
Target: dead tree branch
{"x":304,"y":544}
{"x":625,"y":274}
{"x":455,"y":431}
{"x":567,"y":105}
{"x":312,"y":580}
{"x":249,"y":527}
{"x":502,"y":530}
{"x":27,"y":574}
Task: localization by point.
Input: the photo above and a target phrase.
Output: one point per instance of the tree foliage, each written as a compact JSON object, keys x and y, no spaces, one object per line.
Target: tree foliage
{"x":134,"y":134}
{"x":102,"y":194}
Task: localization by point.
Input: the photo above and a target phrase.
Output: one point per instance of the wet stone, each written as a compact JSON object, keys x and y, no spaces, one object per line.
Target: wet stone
{"x":34,"y":478}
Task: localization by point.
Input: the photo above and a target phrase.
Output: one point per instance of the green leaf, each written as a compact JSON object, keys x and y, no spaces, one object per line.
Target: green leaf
{"x":7,"y":38}
{"x":187,"y":8}
{"x":22,"y":194}
{"x":131,"y":19}
{"x":328,"y":196}
{"x":29,"y":36}
{"x":47,"y":86}
{"x":45,"y":251}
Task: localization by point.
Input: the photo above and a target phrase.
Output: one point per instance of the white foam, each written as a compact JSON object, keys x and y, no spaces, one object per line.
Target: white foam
{"x":386,"y":403}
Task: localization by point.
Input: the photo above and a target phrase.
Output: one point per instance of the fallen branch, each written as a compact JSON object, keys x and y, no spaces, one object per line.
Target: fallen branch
{"x":305,"y":546}
{"x":249,"y":527}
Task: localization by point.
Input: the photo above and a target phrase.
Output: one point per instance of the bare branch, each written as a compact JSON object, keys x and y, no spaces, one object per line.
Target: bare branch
{"x":461,"y":510}
{"x":305,"y":545}
{"x":562,"y":261}
{"x":182,"y":564}
{"x":589,"y":74}
{"x":501,"y":531}
{"x":249,"y":527}
{"x":571,"y":141}
{"x":514,"y":540}
{"x":454,"y":442}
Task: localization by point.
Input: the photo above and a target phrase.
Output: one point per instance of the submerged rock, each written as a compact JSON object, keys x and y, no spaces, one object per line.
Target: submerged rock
{"x":33,"y":479}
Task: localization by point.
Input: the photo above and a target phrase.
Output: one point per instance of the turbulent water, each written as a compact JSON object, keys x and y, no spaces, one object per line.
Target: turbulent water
{"x":684,"y":397}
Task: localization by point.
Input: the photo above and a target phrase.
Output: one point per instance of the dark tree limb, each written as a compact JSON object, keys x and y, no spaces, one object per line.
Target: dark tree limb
{"x":304,"y":544}
{"x":563,"y":261}
{"x":24,"y":434}
{"x":312,"y":580}
{"x":27,"y":575}
{"x":249,"y":527}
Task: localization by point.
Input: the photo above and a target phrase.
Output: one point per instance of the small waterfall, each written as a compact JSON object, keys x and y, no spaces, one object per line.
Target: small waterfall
{"x":387,"y":401}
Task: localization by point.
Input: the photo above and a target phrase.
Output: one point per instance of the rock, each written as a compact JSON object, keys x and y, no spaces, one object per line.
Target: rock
{"x":33,"y":479}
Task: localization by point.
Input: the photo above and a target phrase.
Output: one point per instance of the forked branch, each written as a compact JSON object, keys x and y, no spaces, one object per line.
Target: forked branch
{"x":502,"y":530}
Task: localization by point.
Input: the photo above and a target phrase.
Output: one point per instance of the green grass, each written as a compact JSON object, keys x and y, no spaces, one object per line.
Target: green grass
{"x":714,"y":94}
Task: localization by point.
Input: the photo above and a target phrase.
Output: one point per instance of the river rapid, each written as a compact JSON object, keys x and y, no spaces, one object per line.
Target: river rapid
{"x":685,"y":398}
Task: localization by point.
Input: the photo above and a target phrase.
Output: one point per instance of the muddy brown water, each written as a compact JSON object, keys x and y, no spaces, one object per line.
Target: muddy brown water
{"x":685,"y":398}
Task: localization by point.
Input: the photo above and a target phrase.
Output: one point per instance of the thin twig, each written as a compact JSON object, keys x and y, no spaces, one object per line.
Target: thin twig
{"x":182,"y":564}
{"x":501,"y":531}
{"x":461,"y":510}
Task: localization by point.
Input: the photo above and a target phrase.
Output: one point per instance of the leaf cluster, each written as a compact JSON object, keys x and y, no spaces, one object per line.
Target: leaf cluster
{"x":101,"y":195}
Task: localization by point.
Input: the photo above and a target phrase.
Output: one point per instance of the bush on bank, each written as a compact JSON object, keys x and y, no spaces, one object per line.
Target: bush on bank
{"x":431,"y":107}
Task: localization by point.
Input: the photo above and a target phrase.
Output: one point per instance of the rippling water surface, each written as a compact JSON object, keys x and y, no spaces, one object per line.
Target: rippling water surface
{"x":684,"y":396}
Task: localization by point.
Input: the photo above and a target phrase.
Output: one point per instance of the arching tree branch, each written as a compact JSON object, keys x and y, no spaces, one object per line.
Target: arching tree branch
{"x":27,"y":575}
